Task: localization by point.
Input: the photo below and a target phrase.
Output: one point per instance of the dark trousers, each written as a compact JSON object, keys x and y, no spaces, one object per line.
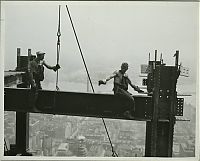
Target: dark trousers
{"x":130,"y":105}
{"x":38,"y":84}
{"x":34,"y":93}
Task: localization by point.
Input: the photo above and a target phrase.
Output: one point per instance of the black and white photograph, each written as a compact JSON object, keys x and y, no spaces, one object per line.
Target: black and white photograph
{"x":100,"y":79}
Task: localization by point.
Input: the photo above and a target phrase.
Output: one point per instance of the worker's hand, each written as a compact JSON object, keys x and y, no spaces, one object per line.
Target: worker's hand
{"x":58,"y":66}
{"x":136,"y":88}
{"x":139,"y":90}
{"x":150,"y":93}
{"x":55,"y":68}
{"x":102,"y":82}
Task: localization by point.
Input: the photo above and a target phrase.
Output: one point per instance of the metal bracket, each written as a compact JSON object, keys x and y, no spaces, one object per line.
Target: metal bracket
{"x":182,"y":119}
{"x":145,"y":69}
{"x":184,"y":71}
{"x":179,"y":107}
{"x":144,"y":82}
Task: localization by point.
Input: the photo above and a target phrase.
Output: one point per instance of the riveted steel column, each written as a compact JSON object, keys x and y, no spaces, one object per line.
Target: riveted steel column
{"x":156,"y":78}
{"x":18,"y":59}
{"x":22,"y":118}
{"x":22,"y":132}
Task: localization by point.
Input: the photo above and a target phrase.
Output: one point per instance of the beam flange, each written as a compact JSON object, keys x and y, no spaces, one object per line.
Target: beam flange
{"x":76,"y":104}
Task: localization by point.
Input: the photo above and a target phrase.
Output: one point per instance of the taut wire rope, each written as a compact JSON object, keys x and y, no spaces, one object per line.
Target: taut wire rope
{"x":112,"y":148}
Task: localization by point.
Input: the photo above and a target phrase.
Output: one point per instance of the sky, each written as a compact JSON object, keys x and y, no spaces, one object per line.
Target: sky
{"x":109,"y":34}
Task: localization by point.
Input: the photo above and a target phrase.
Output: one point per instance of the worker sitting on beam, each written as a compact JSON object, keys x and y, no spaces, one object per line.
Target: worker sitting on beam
{"x":121,"y":81}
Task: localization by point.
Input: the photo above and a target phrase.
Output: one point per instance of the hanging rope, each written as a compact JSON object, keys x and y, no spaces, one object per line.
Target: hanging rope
{"x":112,"y":148}
{"x":58,"y":57}
{"x":58,"y":48}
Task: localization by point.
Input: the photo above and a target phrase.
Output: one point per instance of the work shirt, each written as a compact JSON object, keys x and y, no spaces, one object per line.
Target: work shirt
{"x":120,"y":80}
{"x":37,"y":69}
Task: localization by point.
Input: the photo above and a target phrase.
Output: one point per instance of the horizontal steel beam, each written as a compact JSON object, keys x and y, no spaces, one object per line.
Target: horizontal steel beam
{"x":12,"y":78}
{"x":76,"y":104}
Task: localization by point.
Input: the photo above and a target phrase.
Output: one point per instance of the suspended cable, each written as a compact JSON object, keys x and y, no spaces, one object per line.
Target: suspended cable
{"x":79,"y":48}
{"x":88,"y":75}
{"x":58,"y":48}
{"x":58,"y":55}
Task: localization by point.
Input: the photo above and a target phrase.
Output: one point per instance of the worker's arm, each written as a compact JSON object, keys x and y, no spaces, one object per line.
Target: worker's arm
{"x":107,"y":79}
{"x":111,"y":76}
{"x":55,"y":68}
{"x":136,"y":88}
{"x":47,"y":66}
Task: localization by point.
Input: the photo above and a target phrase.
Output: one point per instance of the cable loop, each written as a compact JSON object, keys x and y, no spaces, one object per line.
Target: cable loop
{"x":58,"y":34}
{"x":57,"y":88}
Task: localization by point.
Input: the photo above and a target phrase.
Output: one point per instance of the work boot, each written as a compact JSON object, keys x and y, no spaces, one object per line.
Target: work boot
{"x":128,"y":115}
{"x":32,"y":105}
{"x":35,"y":109}
{"x":33,"y":95}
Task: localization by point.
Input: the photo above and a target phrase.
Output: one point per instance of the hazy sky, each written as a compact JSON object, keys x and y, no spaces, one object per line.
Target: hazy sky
{"x":109,"y":33}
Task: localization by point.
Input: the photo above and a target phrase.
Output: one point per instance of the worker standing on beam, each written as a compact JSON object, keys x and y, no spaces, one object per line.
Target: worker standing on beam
{"x":121,"y":82}
{"x":36,"y":70}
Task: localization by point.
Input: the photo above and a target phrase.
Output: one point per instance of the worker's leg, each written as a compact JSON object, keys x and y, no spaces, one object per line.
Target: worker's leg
{"x":130,"y":106}
{"x":38,"y":84}
{"x":35,"y":94}
{"x":32,"y":98}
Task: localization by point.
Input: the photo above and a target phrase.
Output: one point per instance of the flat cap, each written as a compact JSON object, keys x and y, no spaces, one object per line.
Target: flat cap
{"x":40,"y":53}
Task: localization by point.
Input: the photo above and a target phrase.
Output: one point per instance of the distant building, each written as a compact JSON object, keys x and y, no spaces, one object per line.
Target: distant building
{"x":182,"y":150}
{"x":68,"y":130}
{"x":46,"y":145}
{"x":63,"y":150}
{"x":60,"y":132}
{"x":98,"y":137}
{"x":124,"y":150}
{"x":186,"y":151}
{"x":125,"y":135}
{"x":35,"y":141}
{"x":176,"y":150}
{"x":34,"y":126}
{"x":81,"y":151}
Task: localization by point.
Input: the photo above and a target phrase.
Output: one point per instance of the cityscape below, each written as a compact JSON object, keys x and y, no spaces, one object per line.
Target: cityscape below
{"x":71,"y":136}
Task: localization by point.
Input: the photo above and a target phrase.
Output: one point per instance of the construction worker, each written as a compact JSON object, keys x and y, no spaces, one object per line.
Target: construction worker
{"x":36,"y":70}
{"x":121,"y":82}
{"x":36,"y":75}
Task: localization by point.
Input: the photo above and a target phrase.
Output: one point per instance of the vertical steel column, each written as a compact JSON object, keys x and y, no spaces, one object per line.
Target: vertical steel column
{"x":18,"y":58}
{"x":156,"y":77}
{"x":162,"y":139}
{"x":148,"y":139}
{"x":173,"y":96}
{"x":22,"y":120}
{"x":159,"y":134}
{"x":151,"y":127}
{"x":29,"y":54}
{"x":22,"y":132}
{"x":176,"y":58}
